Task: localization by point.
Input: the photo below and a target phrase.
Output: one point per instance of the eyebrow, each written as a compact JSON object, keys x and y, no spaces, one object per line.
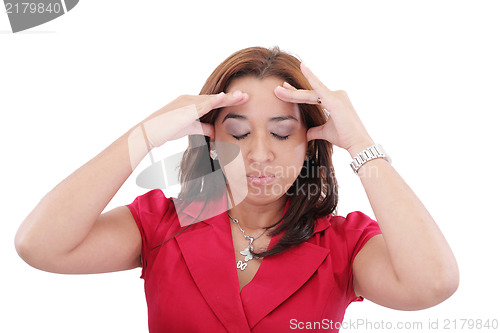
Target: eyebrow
{"x":241,"y":117}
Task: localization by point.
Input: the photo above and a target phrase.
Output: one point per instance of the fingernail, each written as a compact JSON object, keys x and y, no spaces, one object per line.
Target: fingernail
{"x":237,"y":93}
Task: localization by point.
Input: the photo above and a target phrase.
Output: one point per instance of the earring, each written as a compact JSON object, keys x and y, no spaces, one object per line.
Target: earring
{"x":213,"y":154}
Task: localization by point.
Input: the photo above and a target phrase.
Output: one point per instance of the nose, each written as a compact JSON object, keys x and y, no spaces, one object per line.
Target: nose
{"x":260,"y":149}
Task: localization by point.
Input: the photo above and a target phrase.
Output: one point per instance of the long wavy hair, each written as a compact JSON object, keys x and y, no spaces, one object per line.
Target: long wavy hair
{"x":297,"y":224}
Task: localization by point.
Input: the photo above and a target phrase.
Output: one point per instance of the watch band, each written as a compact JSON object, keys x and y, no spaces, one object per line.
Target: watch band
{"x":370,"y":153}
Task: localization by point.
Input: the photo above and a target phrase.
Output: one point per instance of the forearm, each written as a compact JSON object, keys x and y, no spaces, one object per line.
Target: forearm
{"x":63,"y":218}
{"x":418,"y":250}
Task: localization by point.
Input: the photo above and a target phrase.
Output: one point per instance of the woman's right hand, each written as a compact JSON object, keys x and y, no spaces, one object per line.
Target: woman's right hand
{"x":67,"y":228}
{"x":181,"y":117}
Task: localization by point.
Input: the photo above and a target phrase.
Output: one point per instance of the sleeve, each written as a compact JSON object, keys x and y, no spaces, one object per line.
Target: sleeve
{"x":359,"y":228}
{"x":148,"y":211}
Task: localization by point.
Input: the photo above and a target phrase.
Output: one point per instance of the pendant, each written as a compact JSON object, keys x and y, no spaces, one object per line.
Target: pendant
{"x":248,"y":256}
{"x":241,"y":265}
{"x":246,"y":252}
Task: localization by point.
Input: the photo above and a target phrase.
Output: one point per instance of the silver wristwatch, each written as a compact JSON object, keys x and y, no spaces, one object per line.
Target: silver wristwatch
{"x":370,"y":153}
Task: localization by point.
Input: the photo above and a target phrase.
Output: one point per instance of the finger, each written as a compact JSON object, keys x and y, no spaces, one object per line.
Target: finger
{"x":315,"y":133}
{"x":316,"y":84}
{"x":288,"y":86}
{"x":197,"y":127}
{"x":222,"y":100}
{"x":209,"y":102}
{"x":296,"y":96}
{"x":234,"y":98}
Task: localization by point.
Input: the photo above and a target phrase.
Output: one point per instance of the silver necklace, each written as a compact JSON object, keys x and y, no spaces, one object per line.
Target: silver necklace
{"x":246,"y":252}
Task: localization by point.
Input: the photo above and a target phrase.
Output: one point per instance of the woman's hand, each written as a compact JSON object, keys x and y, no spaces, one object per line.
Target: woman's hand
{"x":181,"y":117}
{"x":343,"y":127}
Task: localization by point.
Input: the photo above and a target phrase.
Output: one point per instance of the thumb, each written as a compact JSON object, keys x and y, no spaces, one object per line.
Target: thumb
{"x":315,"y":133}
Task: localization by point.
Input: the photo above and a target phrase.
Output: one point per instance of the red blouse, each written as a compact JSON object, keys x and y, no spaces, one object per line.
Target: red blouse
{"x":191,"y":282}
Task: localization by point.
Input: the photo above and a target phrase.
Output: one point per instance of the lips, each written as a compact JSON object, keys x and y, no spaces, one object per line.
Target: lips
{"x":260,"y":174}
{"x":260,"y":179}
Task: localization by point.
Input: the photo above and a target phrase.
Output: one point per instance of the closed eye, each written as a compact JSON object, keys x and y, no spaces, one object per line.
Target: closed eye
{"x":239,"y":137}
{"x":279,"y":137}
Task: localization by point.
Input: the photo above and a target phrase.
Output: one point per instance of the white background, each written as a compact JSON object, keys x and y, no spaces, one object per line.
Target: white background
{"x":424,"y":77}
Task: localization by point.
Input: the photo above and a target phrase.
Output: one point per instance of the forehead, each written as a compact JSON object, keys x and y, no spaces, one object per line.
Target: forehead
{"x":262,"y":102}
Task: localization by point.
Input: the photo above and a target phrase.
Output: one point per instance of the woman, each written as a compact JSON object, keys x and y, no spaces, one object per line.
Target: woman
{"x":258,"y":179}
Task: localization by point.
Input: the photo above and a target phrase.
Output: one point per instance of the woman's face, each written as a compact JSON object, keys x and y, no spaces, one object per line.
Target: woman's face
{"x":271,"y":137}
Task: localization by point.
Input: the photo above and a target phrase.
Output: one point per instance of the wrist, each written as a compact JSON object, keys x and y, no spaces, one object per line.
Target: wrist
{"x":360,"y":146}
{"x":368,"y":154}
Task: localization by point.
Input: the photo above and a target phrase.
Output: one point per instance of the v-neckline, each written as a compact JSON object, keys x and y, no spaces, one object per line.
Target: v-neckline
{"x":213,"y":270}
{"x":235,"y":270}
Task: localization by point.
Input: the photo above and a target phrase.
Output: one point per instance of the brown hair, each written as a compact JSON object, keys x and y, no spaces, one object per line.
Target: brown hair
{"x":305,"y":207}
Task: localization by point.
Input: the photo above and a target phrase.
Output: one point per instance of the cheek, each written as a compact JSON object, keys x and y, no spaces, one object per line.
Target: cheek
{"x":299,"y":147}
{"x":292,"y":161}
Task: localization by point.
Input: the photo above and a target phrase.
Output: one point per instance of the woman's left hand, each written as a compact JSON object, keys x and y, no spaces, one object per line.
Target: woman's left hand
{"x":343,"y":127}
